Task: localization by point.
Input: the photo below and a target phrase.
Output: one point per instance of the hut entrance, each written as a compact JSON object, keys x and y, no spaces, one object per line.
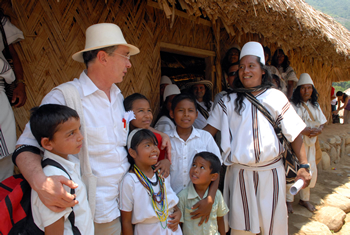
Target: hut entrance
{"x":185,"y":64}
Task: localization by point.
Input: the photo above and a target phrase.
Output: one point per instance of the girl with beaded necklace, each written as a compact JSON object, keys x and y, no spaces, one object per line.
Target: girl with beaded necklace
{"x":146,"y":199}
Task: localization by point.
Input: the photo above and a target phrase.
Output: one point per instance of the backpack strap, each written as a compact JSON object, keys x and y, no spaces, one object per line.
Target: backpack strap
{"x":71,"y":216}
{"x":308,"y":110}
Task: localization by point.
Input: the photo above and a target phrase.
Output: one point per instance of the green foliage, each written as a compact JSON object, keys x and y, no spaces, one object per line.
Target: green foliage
{"x":335,"y":8}
{"x":341,"y":86}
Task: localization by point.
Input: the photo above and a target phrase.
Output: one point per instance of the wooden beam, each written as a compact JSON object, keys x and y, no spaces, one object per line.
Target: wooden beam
{"x":181,"y":14}
{"x":183,"y":50}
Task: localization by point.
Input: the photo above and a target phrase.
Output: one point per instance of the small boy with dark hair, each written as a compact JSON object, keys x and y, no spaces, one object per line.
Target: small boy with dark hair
{"x":205,"y":169}
{"x":57,"y":130}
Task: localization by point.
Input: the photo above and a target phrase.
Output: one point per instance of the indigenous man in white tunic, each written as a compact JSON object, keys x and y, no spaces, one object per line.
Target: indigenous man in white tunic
{"x":255,"y":180}
{"x":305,"y":103}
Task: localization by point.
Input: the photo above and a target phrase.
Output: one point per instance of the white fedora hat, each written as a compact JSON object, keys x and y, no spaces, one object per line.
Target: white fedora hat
{"x":253,"y":48}
{"x":305,"y":79}
{"x":165,"y":80}
{"x":103,"y":35}
{"x":171,"y":89}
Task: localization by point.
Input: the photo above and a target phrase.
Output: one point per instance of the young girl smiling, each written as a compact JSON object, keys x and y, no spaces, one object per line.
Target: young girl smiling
{"x":146,"y":199}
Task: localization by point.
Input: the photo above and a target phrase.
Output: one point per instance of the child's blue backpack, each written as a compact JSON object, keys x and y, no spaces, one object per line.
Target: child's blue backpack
{"x":15,"y":205}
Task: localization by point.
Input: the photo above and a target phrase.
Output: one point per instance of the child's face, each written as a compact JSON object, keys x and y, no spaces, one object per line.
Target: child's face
{"x":67,"y":139}
{"x":143,"y":114}
{"x":200,"y":172}
{"x":146,"y":154}
{"x":184,"y":114}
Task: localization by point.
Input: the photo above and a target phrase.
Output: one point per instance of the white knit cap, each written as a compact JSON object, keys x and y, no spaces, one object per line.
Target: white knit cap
{"x":305,"y":79}
{"x":171,"y":90}
{"x":253,"y":48}
{"x":165,"y":80}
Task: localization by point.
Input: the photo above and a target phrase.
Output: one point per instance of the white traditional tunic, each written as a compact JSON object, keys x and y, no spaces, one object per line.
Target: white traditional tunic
{"x":7,"y":119}
{"x":309,"y":143}
{"x":135,"y":198}
{"x":201,"y":121}
{"x":288,"y":75}
{"x":255,"y":178}
{"x":164,"y":124}
{"x":182,"y":154}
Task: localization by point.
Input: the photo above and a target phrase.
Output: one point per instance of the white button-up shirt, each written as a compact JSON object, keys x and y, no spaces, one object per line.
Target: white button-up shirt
{"x":106,"y":140}
{"x":182,"y":154}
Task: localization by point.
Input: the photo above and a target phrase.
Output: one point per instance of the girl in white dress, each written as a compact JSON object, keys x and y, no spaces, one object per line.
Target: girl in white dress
{"x":146,"y":199}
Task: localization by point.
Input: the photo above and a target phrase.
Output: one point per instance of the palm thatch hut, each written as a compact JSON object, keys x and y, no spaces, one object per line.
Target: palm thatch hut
{"x":204,"y":29}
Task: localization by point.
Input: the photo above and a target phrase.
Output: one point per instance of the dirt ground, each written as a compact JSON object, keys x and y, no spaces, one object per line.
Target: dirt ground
{"x":327,"y":182}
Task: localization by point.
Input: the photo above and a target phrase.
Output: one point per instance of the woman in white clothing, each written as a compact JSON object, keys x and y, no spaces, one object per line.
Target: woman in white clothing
{"x":305,"y":104}
{"x":255,"y":180}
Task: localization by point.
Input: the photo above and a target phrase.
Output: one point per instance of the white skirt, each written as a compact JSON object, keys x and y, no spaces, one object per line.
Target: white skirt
{"x":256,"y":197}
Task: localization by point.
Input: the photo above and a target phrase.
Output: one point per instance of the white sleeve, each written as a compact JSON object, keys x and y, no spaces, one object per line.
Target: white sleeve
{"x":290,"y":122}
{"x":127,"y":193}
{"x":212,"y":146}
{"x":215,"y":116}
{"x":13,"y":34}
{"x":42,"y":215}
{"x":321,"y":117}
{"x":53,"y":97}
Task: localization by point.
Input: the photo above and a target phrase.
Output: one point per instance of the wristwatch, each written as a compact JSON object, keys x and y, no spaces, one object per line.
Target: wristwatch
{"x":306,"y":166}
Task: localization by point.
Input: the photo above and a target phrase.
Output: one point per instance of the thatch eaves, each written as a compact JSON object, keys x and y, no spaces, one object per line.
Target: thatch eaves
{"x":291,"y":24}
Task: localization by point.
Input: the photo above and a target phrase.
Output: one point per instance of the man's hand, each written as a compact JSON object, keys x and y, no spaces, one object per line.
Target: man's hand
{"x":304,"y":175}
{"x":164,"y":167}
{"x":175,"y":219}
{"x":19,"y":93}
{"x":203,"y":209}
{"x":54,"y":196}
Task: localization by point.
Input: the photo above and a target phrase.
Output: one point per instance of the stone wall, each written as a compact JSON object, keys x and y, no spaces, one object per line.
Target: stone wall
{"x":335,"y":145}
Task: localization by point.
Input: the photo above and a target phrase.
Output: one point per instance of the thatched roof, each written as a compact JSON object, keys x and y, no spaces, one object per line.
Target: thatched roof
{"x":291,"y":24}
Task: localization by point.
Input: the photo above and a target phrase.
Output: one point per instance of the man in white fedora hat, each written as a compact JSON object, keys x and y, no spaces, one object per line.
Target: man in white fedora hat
{"x":103,"y":157}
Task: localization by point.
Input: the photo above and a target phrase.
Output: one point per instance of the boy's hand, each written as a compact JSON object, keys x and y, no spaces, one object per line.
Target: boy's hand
{"x":175,"y":219}
{"x":54,"y":196}
{"x":203,"y":209}
{"x":164,"y":167}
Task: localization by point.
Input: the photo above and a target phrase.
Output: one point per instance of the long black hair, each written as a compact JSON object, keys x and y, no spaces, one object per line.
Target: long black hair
{"x":266,"y":82}
{"x":342,"y":94}
{"x":285,"y":63}
{"x":297,"y":99}
{"x":206,"y":97}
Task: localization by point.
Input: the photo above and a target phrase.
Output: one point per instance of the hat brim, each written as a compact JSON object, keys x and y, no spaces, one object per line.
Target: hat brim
{"x":206,"y":83}
{"x":79,"y":55}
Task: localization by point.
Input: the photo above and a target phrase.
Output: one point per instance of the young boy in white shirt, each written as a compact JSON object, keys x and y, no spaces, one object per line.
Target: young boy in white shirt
{"x":186,"y":142}
{"x":204,"y":170}
{"x":57,"y":130}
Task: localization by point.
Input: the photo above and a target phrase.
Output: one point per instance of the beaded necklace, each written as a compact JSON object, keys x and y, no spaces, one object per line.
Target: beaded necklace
{"x":160,"y":205}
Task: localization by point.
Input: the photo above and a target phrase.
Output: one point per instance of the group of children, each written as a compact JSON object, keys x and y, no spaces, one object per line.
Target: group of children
{"x":151,"y":200}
